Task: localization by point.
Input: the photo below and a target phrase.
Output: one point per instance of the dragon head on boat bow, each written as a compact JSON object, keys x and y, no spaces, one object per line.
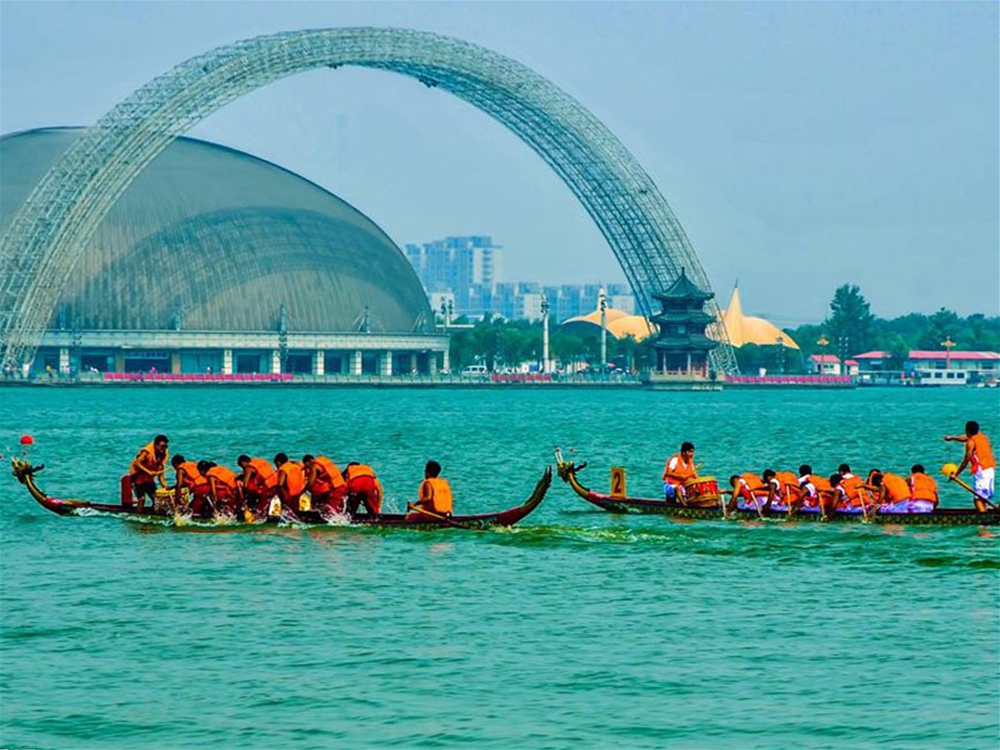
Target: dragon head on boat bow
{"x":23,"y":470}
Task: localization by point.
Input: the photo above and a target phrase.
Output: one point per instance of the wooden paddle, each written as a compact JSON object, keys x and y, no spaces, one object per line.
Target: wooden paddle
{"x":864,"y":505}
{"x":954,"y":478}
{"x":431,"y":514}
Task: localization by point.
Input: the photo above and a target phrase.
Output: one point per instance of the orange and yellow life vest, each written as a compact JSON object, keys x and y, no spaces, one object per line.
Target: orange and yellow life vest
{"x":267,"y":477}
{"x":328,"y":477}
{"x":681,"y":472}
{"x":152,"y":464}
{"x":853,"y":488}
{"x":896,"y":488}
{"x":755,"y":483}
{"x":981,"y":453}
{"x":222,"y":475}
{"x":193,"y":479}
{"x":356,"y":471}
{"x":438,"y":491}
{"x":923,"y":487}
{"x":295,"y":478}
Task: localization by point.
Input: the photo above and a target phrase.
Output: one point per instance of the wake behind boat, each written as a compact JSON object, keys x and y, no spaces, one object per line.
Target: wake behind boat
{"x":25,"y":474}
{"x":619,"y":503}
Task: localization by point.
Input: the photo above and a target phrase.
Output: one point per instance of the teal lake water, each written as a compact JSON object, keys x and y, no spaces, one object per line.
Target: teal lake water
{"x":577,"y":629}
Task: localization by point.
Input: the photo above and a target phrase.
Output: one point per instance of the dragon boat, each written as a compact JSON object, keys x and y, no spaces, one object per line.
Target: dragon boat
{"x":620,"y":503}
{"x":425,"y":520}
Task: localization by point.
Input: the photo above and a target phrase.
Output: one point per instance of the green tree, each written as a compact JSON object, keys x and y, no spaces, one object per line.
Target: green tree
{"x":851,"y":323}
{"x":942,"y":325}
{"x":898,"y":350}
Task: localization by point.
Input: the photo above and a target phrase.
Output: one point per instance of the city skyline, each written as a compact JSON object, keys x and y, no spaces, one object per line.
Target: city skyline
{"x":864,"y":133}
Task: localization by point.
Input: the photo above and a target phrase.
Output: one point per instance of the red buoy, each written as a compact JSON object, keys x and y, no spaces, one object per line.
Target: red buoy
{"x":27,"y":440}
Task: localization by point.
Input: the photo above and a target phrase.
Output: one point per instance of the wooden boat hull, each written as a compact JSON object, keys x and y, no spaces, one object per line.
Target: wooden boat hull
{"x":25,"y":474}
{"x":940,"y":517}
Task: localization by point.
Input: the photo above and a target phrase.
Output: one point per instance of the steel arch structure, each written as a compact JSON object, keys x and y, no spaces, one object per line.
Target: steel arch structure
{"x":51,"y":230}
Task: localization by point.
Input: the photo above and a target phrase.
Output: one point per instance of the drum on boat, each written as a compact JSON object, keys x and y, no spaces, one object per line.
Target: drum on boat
{"x":702,"y":491}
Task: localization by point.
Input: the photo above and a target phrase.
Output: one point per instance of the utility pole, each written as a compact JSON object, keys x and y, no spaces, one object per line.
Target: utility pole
{"x":545,"y":334}
{"x":602,"y":304}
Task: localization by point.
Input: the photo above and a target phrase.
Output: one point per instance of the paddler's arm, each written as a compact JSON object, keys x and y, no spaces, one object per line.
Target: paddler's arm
{"x":179,"y":477}
{"x":969,"y":447}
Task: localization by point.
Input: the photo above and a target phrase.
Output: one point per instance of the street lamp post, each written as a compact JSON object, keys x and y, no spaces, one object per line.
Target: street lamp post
{"x":602,"y":304}
{"x":545,"y":334}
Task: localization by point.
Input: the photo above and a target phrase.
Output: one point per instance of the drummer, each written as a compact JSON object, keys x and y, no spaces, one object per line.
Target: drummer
{"x":679,"y":469}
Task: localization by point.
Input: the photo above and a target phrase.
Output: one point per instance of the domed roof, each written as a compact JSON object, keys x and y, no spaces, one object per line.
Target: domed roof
{"x":620,"y":324}
{"x":212,"y":239}
{"x":745,"y":329}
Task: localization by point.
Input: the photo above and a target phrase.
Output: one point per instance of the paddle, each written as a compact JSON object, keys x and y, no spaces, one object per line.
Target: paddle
{"x":954,"y":478}
{"x":864,"y":505}
{"x":431,"y":514}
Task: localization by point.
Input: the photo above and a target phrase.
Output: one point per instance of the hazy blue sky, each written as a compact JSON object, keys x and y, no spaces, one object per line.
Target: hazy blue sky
{"x":801,"y":145}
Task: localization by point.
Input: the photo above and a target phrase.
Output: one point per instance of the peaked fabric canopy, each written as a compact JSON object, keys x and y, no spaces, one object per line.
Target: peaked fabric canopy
{"x":745,"y":329}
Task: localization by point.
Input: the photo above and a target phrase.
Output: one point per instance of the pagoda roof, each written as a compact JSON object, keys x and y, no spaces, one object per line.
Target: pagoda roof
{"x":694,"y":341}
{"x":683,"y":316}
{"x":683,"y":288}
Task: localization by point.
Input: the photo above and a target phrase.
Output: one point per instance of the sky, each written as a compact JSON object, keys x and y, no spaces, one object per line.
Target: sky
{"x":801,"y":146}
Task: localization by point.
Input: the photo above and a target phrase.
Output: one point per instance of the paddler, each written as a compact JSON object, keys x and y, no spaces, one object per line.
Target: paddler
{"x":223,"y":487}
{"x":893,"y":492}
{"x":853,"y":486}
{"x":808,"y":492}
{"x":148,"y":468}
{"x":363,"y":488}
{"x":980,"y":460}
{"x":678,"y":470}
{"x":434,"y":493}
{"x":923,"y":490}
{"x":325,"y":483}
{"x":774,"y":492}
{"x":188,"y":477}
{"x":260,"y":484}
{"x":745,"y":488}
{"x":291,"y":484}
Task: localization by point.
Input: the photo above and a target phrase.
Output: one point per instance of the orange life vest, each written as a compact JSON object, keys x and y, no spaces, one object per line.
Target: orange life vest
{"x":822,"y":484}
{"x":266,"y":478}
{"x":356,"y":471}
{"x":923,"y":487}
{"x":981,"y":453}
{"x":152,"y":463}
{"x":193,"y":479}
{"x":222,"y":475}
{"x":789,"y":485}
{"x":328,"y":477}
{"x":755,"y":482}
{"x":295,"y":478}
{"x":681,"y":472}
{"x":896,"y":488}
{"x":852,"y":486}
{"x":438,"y":491}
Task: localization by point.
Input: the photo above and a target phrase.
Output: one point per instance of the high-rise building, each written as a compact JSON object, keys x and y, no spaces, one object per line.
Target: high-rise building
{"x":458,"y":265}
{"x":468,"y":270}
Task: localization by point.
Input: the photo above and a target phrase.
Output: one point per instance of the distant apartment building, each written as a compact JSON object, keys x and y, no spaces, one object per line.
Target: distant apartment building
{"x":462,"y":277}
{"x":461,"y":266}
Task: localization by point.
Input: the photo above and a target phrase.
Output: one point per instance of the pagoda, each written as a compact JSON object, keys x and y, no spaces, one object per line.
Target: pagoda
{"x":681,"y":348}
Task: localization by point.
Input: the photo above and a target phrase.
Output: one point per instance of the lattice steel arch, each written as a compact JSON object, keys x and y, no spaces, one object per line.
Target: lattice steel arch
{"x":50,"y":232}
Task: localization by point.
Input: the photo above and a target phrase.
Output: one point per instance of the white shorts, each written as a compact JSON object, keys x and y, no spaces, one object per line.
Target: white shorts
{"x":982,"y":482}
